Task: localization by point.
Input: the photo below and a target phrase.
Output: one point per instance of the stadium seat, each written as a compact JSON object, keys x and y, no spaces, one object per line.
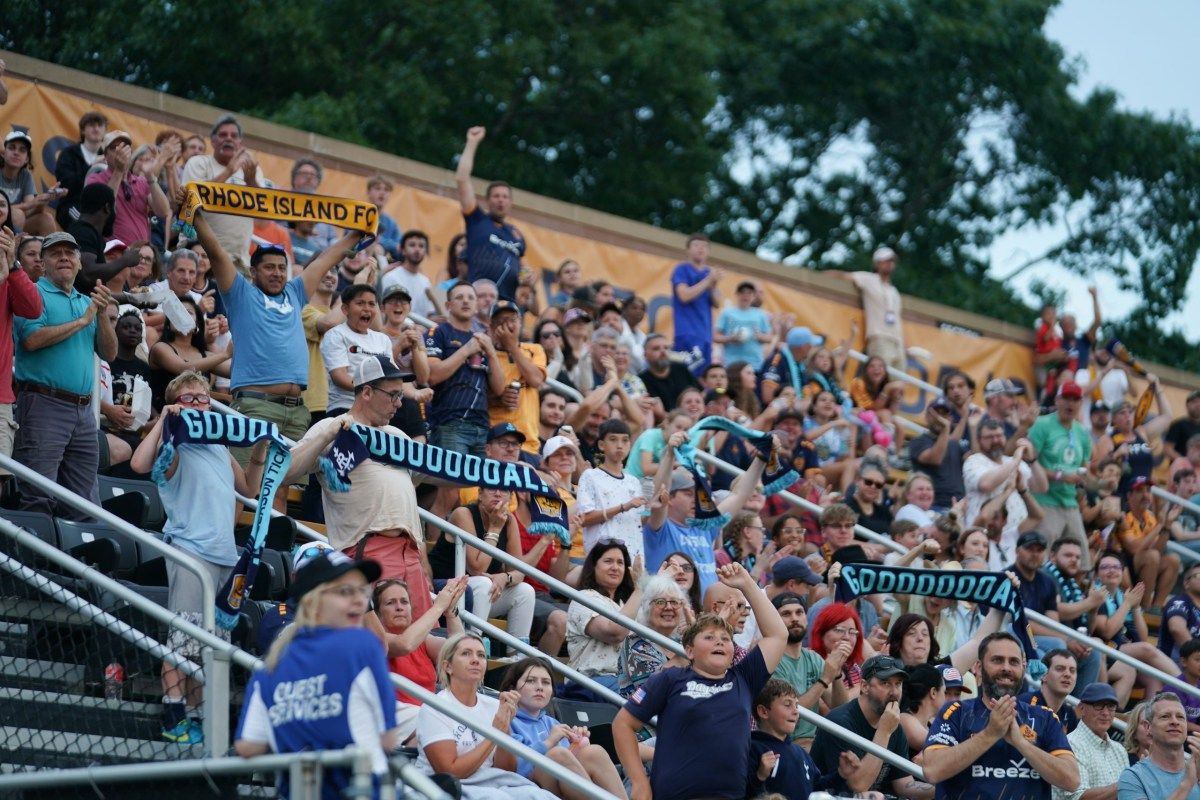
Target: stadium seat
{"x":596,"y":717}
{"x":110,"y":487}
{"x":280,"y":575}
{"x":81,"y":539}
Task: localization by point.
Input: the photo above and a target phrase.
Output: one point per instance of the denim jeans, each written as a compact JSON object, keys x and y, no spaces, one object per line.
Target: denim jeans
{"x":460,"y":435}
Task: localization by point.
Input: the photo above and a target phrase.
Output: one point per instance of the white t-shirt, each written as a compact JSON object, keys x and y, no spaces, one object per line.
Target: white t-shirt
{"x":974,"y":468}
{"x":599,"y":490}
{"x":590,"y":656}
{"x":343,"y":347}
{"x":417,"y":285}
{"x":881,"y":306}
{"x":915,"y":514}
{"x":232,"y":232}
{"x":434,"y":726}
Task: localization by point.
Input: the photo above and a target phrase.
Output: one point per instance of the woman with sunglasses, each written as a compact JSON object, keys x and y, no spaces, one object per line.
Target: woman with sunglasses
{"x":869,"y":500}
{"x":324,"y":683}
{"x":198,"y":498}
{"x":664,"y":609}
{"x":559,"y":361}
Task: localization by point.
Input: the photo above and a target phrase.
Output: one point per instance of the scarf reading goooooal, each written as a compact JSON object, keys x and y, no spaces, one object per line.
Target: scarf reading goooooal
{"x":278,"y":205}
{"x":192,"y":426}
{"x":548,"y":513}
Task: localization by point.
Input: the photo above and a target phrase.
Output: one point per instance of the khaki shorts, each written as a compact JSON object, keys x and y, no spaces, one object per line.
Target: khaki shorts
{"x":890,"y":350}
{"x":292,"y":421}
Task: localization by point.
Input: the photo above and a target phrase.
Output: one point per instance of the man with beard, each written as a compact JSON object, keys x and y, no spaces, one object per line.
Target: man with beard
{"x":1167,"y":773}
{"x":664,"y":378}
{"x":494,"y":247}
{"x":989,"y":473}
{"x":1075,"y":607}
{"x":997,"y":746}
{"x":552,"y":412}
{"x":813,"y":677}
{"x":874,"y":715}
{"x":414,"y":246}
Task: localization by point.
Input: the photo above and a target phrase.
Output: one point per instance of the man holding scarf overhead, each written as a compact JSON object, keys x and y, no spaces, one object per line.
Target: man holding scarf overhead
{"x":377,"y":518}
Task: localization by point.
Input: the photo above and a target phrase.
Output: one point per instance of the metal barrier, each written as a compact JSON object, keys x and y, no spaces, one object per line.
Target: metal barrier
{"x":1177,"y":547}
{"x":900,"y":375}
{"x":154,"y":543}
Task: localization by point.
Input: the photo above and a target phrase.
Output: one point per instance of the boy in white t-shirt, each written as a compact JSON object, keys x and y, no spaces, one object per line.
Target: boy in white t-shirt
{"x":608,"y":499}
{"x":346,"y":346}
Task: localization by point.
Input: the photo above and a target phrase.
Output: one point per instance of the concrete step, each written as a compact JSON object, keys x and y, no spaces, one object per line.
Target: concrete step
{"x":18,"y":744}
{"x":31,"y":708}
{"x":30,"y":673}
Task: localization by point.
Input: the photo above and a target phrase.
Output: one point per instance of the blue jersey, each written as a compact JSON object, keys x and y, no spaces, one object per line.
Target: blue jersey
{"x":331,"y":689}
{"x":696,"y":542}
{"x":693,"y":320}
{"x":463,"y":395}
{"x":1001,"y":773}
{"x":494,"y":252}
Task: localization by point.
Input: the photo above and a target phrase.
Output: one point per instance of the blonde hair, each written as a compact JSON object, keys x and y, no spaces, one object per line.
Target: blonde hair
{"x":447,"y":652}
{"x":306,"y":617}
{"x":188,"y":377}
{"x":1133,"y":745}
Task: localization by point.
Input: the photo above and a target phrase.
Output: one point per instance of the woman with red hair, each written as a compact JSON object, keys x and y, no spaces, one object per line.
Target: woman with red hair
{"x":838,"y":626}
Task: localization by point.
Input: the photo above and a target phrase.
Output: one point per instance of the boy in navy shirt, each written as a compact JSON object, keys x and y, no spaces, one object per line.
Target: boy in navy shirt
{"x":703,"y":711}
{"x":494,"y":246}
{"x":779,"y":765}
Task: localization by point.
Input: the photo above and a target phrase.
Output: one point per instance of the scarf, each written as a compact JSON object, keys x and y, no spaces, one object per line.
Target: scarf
{"x":778,"y":475}
{"x":796,"y":371}
{"x":1068,"y":589}
{"x":192,"y":426}
{"x":276,"y":205}
{"x":548,"y":513}
{"x":992,"y":589}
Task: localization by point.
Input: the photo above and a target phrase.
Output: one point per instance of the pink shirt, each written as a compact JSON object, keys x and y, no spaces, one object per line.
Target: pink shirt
{"x":133,"y":206}
{"x":18,"y":296}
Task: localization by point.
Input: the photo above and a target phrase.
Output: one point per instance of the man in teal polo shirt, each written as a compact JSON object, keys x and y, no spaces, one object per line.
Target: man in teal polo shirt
{"x":55,"y":372}
{"x":1064,"y":448}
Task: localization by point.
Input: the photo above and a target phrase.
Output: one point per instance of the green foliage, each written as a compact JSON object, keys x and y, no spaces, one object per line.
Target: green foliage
{"x":806,"y":130}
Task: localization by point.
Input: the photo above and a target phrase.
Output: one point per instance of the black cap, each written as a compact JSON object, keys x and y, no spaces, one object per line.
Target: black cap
{"x":329,"y":566}
{"x":504,"y":305}
{"x":794,"y":568}
{"x":786,"y":599}
{"x":713,"y":395}
{"x":1031,"y":539}
{"x":504,"y":429}
{"x":746,"y":286}
{"x":882,"y":667}
{"x":1099,"y":405}
{"x":851,"y":554}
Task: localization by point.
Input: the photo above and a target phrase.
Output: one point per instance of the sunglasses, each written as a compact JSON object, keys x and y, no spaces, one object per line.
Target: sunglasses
{"x":873,"y":483}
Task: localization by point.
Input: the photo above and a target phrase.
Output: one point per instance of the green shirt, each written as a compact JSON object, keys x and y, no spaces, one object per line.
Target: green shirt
{"x":1060,"y":449}
{"x":801,"y":673}
{"x":69,"y":365}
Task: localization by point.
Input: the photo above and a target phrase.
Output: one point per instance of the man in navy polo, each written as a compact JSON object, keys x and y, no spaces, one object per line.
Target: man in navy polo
{"x":55,"y":372}
{"x":494,"y":246}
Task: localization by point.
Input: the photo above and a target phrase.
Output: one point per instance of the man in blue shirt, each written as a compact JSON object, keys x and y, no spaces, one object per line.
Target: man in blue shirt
{"x":270,"y":357}
{"x":743,"y":329}
{"x":494,"y":246}
{"x":1167,"y":773}
{"x":55,"y":374}
{"x":997,"y":746}
{"x":694,"y":294}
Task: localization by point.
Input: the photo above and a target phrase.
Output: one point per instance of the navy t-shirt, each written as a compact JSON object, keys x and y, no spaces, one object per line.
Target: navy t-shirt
{"x":1066,"y":715}
{"x":947,"y":475}
{"x":462,"y":396}
{"x":494,"y":252}
{"x":1180,"y":605}
{"x":1039,"y":594}
{"x":703,"y":745}
{"x":1001,"y":772}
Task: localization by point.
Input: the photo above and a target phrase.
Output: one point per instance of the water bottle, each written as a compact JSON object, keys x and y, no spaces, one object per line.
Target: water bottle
{"x":114,"y":681}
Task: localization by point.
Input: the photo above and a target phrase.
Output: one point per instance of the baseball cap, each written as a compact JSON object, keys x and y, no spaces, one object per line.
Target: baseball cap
{"x":1018,"y":387}
{"x":395,"y":291}
{"x":329,"y":566}
{"x":375,"y":368}
{"x":794,"y":568}
{"x":1139,"y":482}
{"x":112,"y":137}
{"x":504,"y":305}
{"x":1031,"y":539}
{"x":114,"y":244}
{"x":1098,"y":692}
{"x":790,"y":413}
{"x":1071,"y":390}
{"x":19,"y":136}
{"x":996,"y":387}
{"x":801,"y":336}
{"x":681,"y":479}
{"x":713,"y":395}
{"x":851,"y":554}
{"x":59,"y":238}
{"x":1100,"y":405}
{"x":307,"y":552}
{"x":953,"y":679}
{"x":882,"y":667}
{"x":883,"y":254}
{"x":556,"y":443}
{"x":504,"y":429}
{"x":746,"y":286}
{"x":576,"y":315}
{"x":786,"y":599}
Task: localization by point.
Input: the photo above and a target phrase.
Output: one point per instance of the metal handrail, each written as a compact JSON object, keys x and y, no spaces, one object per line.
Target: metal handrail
{"x":188,"y":562}
{"x":1177,"y":547}
{"x":899,"y":375}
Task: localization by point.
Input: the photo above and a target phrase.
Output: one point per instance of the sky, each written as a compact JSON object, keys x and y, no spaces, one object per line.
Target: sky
{"x":1145,"y":51}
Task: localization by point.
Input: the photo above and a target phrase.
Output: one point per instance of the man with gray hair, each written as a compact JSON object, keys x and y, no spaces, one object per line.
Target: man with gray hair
{"x":1168,"y":772}
{"x":989,"y":474}
{"x":486,"y":295}
{"x":590,"y":372}
{"x":231,"y":163}
{"x":307,"y":175}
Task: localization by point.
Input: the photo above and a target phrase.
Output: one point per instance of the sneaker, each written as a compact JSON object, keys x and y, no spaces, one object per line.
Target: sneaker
{"x":183,"y":733}
{"x":196,"y":731}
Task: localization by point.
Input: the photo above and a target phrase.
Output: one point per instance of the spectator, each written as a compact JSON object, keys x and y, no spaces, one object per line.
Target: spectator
{"x":918,"y":495}
{"x":1132,"y":447}
{"x":412,"y":650}
{"x":486,"y":295}
{"x":694,"y":294}
{"x":379,"y":191}
{"x":96,"y":216}
{"x":567,"y":746}
{"x":463,"y":368}
{"x":346,"y":346}
{"x":230,"y":163}
{"x":1058,"y":682}
{"x":1141,"y":537}
{"x":1181,"y":615}
{"x":813,"y":677}
{"x":609,"y":500}
{"x":743,"y":388}
{"x":198,"y":498}
{"x":785,"y":368}
{"x":715,"y":766}
{"x":494,"y":246}
{"x":1075,"y":607}
{"x":1063,"y":448}
{"x":989,"y":473}
{"x":355,"y":267}
{"x":1000,"y":406}
{"x":668,"y":528}
{"x":922,"y":698}
{"x":569,"y":277}
{"x":73,"y":163}
{"x":553,"y":341}
{"x":1179,"y":434}
{"x":683,"y":569}
{"x":777,"y":764}
{"x":552,"y":413}
{"x":377,"y":518}
{"x":633,"y":314}
{"x":1100,"y":417}
{"x":881,"y":308}
{"x":55,"y":372}
{"x":124,"y":370}
{"x":834,"y":437}
{"x":306,"y":177}
{"x":663,"y":609}
{"x":1137,"y":745}
{"x":1101,"y":759}
{"x":27,"y":209}
{"x":648,"y":449}
{"x":561,"y":467}
{"x":577,"y":324}
{"x":19,"y":297}
{"x":954,"y":686}
{"x":1038,"y":590}
{"x":303,"y":236}
{"x":833,"y":624}
{"x":742,"y":541}
{"x":874,"y":715}
{"x":324,"y":654}
{"x":873,"y":390}
{"x":321,"y":314}
{"x":29,"y":254}
{"x":1120,"y":622}
{"x":594,"y":642}
{"x":135,"y":186}
{"x":869,"y":500}
{"x":727,"y":604}
{"x":915,"y":637}
{"x":1189,"y":662}
{"x":590,"y":372}
{"x":743,"y":329}
{"x":183,"y":267}
{"x":406,"y":272}
{"x":270,"y":361}
{"x":824,"y":368}
{"x":973,"y":744}
{"x":1166,"y":771}
{"x":175,"y":353}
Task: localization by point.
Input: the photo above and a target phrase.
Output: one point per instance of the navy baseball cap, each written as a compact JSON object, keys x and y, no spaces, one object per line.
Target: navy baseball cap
{"x":794,"y":568}
{"x":500,"y":306}
{"x":504,"y":429}
{"x":329,"y":566}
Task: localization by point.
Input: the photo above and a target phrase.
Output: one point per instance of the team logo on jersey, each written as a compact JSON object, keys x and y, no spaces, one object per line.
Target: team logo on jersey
{"x":1029,"y":733}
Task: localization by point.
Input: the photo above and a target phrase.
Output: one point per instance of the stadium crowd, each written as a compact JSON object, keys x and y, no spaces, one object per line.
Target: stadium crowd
{"x":298,"y":325}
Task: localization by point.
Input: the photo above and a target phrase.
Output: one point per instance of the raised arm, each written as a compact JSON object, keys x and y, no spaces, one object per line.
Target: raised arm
{"x":466,"y":165}
{"x":223,"y":270}
{"x":745,"y":484}
{"x":326,"y":260}
{"x":770,"y":624}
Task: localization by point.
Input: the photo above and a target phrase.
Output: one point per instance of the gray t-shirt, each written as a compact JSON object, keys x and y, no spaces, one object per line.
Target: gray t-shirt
{"x":19,"y":188}
{"x":1146,"y":780}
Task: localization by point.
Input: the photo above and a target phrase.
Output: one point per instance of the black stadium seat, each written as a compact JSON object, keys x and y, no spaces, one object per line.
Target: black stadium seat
{"x":110,"y":487}
{"x":74,"y":535}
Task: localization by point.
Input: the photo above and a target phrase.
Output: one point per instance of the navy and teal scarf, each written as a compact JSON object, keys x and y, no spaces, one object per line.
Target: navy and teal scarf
{"x":548,"y":513}
{"x":777,"y":475}
{"x":192,"y":426}
{"x":1068,"y":590}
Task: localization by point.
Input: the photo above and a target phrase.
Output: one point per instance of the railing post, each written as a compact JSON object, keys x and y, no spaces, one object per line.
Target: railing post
{"x":216,"y":701}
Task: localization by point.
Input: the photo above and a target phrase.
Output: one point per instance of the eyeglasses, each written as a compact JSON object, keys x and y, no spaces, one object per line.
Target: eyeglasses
{"x":791,"y":529}
{"x":684,"y":567}
{"x":1109,"y":566}
{"x":738,"y":606}
{"x":193,"y":398}
{"x":506,"y":444}
{"x":848,"y":632}
{"x":395,"y":396}
{"x":348,"y":592}
{"x":663,"y":602}
{"x":873,"y":484}
{"x":549,"y":335}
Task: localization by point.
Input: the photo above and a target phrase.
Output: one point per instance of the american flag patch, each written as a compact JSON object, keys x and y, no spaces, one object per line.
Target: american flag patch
{"x":638,"y":696}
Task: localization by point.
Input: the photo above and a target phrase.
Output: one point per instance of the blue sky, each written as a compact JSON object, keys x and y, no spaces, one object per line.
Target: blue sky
{"x":1145,"y":51}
